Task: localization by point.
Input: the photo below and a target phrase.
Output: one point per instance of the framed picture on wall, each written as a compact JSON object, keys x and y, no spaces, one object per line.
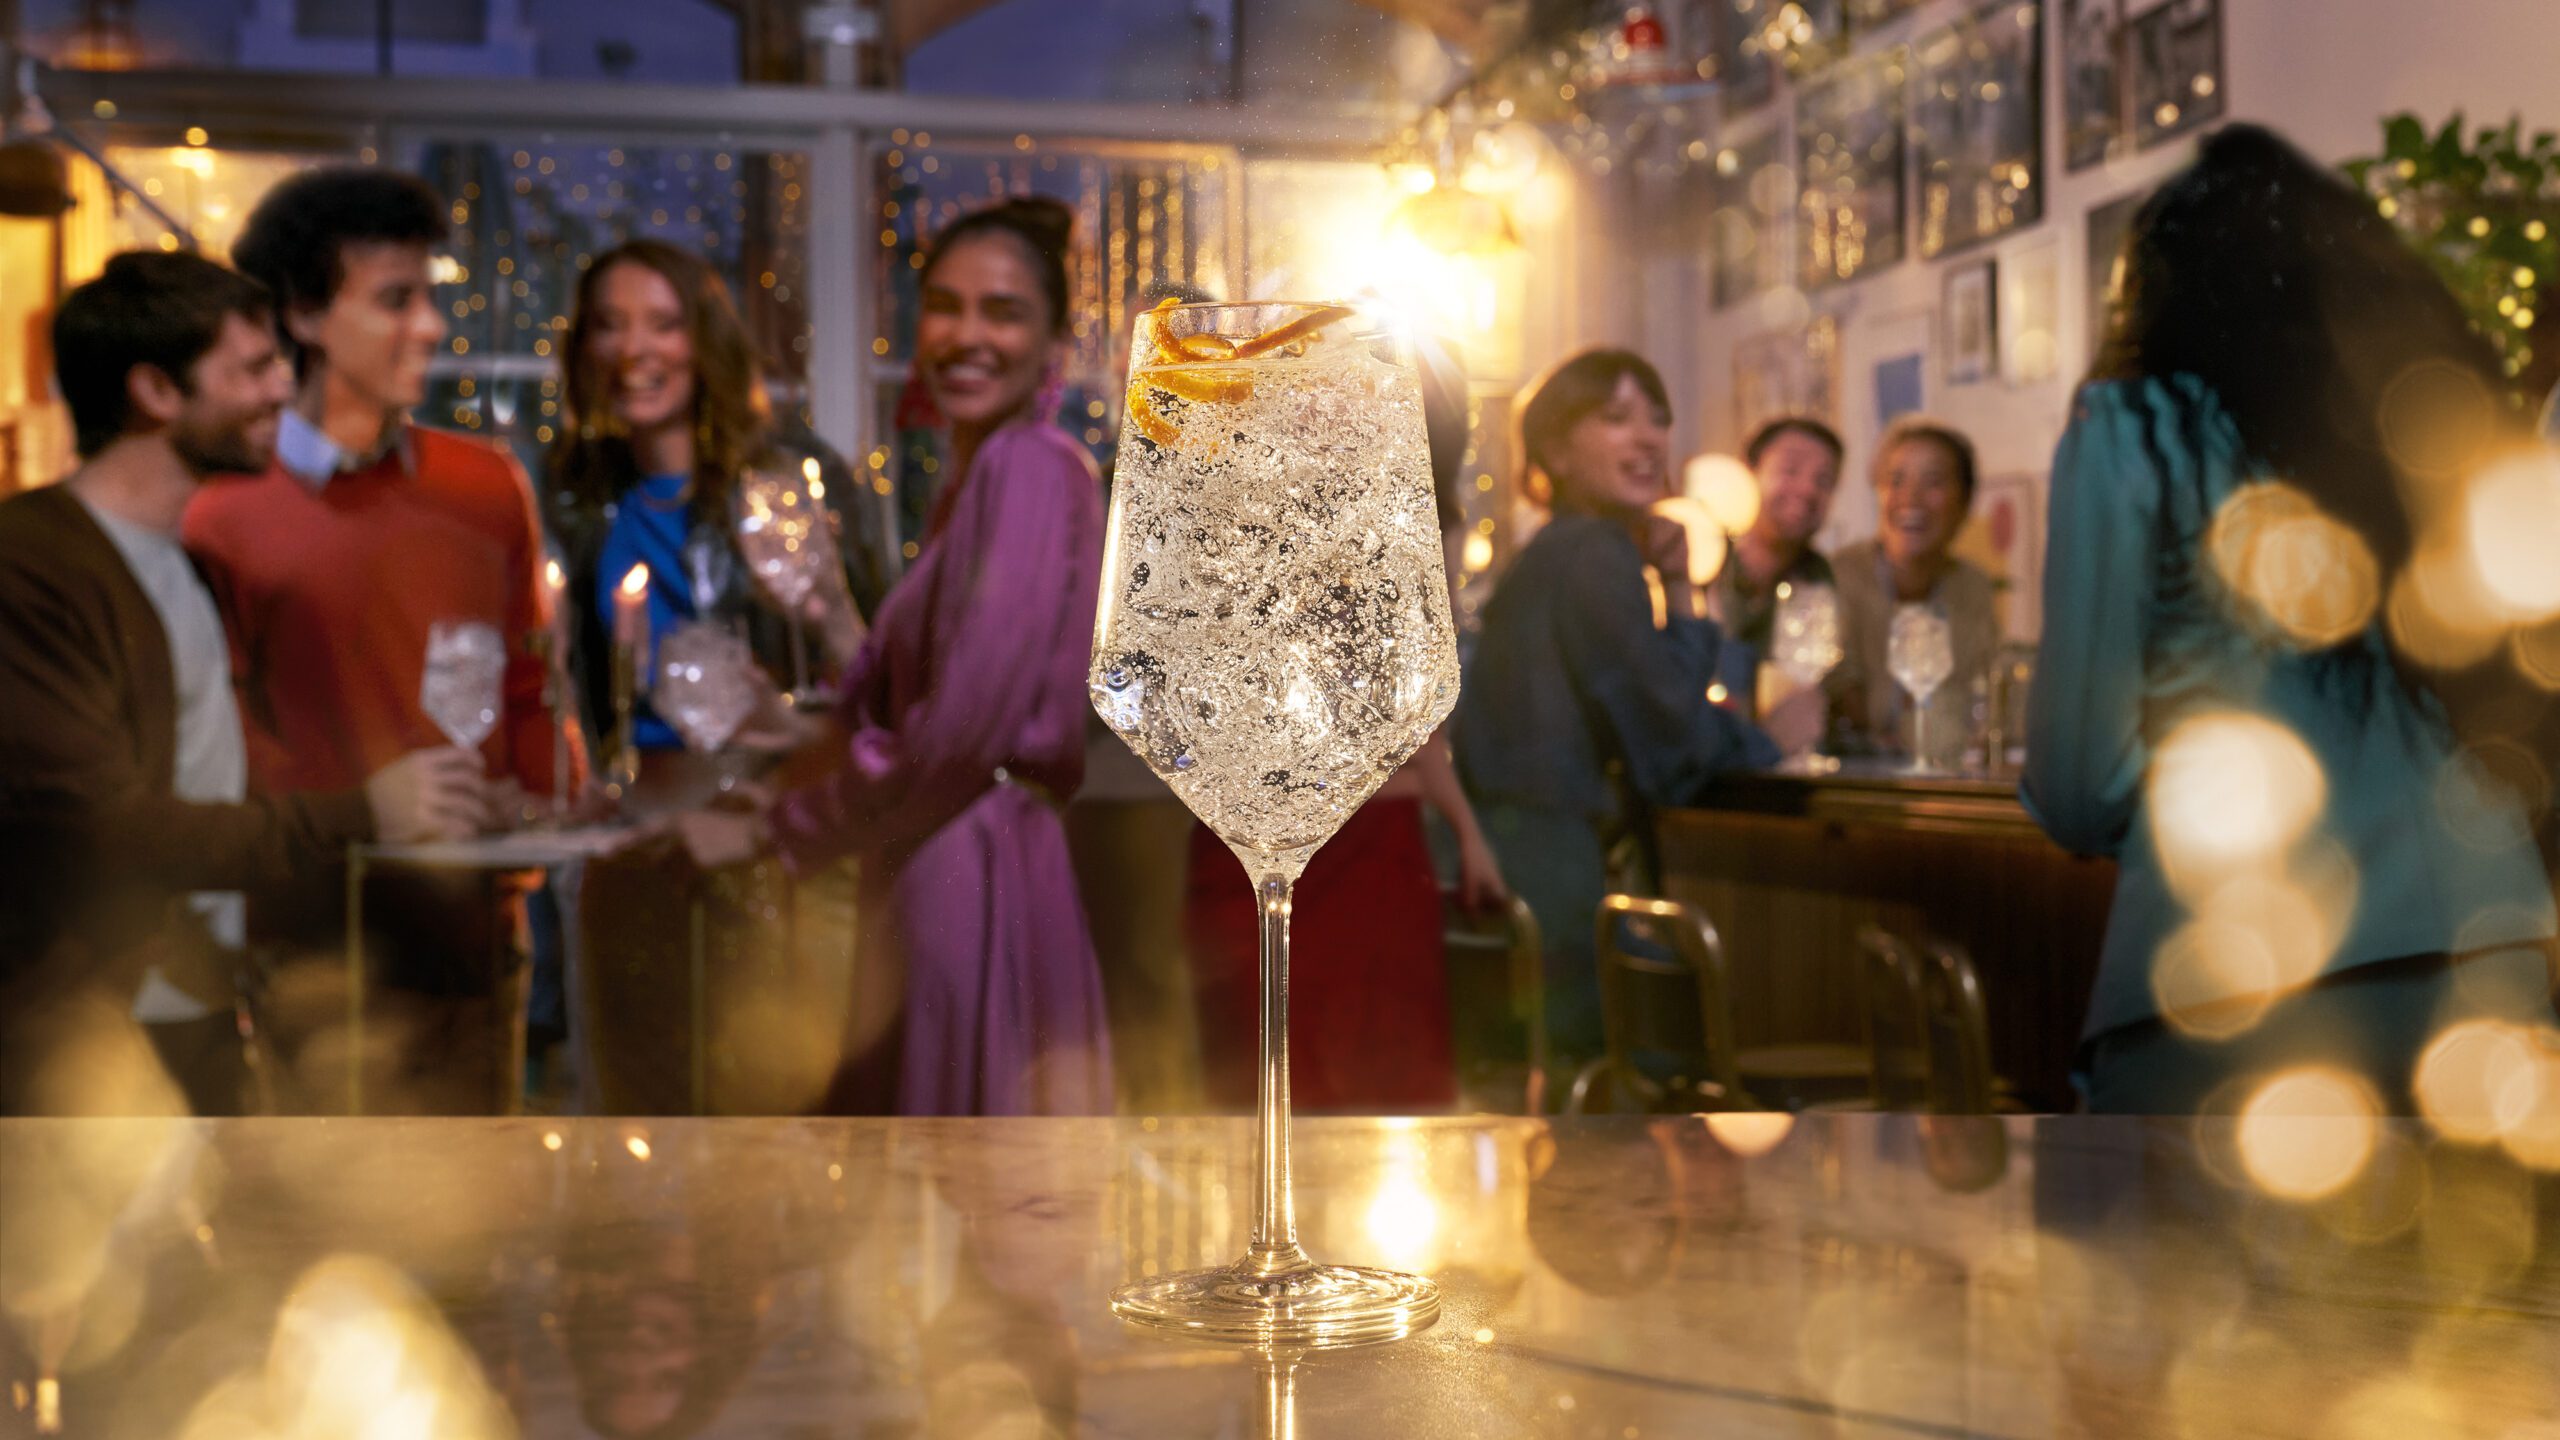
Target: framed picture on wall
{"x":1849,"y":204}
{"x":1751,"y":192}
{"x":1968,"y":308}
{"x":2029,"y":312}
{"x":2006,"y":538}
{"x":2176,"y":69}
{"x":1743,"y":60}
{"x":2092,"y":81}
{"x":1977,"y":123}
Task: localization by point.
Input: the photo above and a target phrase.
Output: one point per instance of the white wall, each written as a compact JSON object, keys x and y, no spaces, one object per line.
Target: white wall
{"x":2324,"y":72}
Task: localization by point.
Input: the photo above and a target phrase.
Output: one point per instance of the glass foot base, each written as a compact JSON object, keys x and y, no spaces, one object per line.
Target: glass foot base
{"x":1317,"y":1307}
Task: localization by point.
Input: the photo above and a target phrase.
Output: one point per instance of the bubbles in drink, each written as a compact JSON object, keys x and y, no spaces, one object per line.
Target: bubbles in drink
{"x":1275,"y":637}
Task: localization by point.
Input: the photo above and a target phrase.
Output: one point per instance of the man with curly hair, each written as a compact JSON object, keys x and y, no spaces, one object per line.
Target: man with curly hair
{"x":332,"y":568}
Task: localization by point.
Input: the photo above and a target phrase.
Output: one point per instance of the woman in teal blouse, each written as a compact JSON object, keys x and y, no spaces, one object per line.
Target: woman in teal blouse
{"x":2311,"y":871}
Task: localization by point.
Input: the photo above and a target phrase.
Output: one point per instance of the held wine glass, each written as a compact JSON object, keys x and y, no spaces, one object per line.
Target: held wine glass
{"x":1274,"y":640}
{"x":1920,"y":654}
{"x":705,"y":687}
{"x":466,"y":665}
{"x":784,"y":534}
{"x":1804,"y":634}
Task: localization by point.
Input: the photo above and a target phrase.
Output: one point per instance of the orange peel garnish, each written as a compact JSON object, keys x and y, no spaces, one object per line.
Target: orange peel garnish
{"x":1179,"y":360}
{"x":1299,"y":329}
{"x":1209,"y":387}
{"x":1143,"y":414}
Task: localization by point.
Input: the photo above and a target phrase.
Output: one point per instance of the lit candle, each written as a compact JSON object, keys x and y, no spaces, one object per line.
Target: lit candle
{"x":555,"y":584}
{"x":809,"y":472}
{"x":631,"y":610}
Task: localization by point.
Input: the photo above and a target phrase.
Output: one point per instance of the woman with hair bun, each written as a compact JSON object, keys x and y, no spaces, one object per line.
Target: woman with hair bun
{"x":963,"y":720}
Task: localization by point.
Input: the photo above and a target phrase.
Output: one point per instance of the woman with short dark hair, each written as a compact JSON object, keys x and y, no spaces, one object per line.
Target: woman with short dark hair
{"x":1586,"y":705}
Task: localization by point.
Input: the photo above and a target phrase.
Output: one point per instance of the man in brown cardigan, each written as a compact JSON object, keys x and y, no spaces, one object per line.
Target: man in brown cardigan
{"x":124,"y":822}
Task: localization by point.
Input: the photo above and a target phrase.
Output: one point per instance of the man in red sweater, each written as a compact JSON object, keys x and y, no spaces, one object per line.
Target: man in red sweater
{"x":333,"y":566}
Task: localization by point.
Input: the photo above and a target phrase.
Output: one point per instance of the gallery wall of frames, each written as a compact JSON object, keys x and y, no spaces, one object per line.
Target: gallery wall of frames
{"x":1916,"y":205}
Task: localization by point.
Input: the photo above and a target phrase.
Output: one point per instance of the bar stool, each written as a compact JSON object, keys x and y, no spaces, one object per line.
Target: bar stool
{"x":1666,"y":1020}
{"x":1497,"y":1003}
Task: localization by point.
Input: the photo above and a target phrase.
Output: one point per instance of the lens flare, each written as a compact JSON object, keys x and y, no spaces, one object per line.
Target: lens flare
{"x":2306,"y":1133}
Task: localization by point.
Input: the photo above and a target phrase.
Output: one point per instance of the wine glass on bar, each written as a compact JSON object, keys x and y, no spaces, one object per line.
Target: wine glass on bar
{"x":1920,"y":655}
{"x":706,"y":687}
{"x":1274,"y":640}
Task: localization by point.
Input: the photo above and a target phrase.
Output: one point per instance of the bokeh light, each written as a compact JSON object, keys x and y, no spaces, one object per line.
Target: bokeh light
{"x":2440,"y":611}
{"x":2434,"y":419}
{"x":2306,"y":1133}
{"x":2230,"y":791}
{"x":1726,"y":487}
{"x":2476,"y":1080}
{"x":1707,"y":541}
{"x":2300,"y":570}
{"x":1750,"y":1133}
{"x":2511,"y":528}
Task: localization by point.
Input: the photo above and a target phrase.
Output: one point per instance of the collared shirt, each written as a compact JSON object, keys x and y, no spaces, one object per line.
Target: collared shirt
{"x":310,"y":456}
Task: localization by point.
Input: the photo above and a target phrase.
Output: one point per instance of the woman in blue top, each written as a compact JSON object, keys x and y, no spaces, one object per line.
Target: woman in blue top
{"x":664,"y":412}
{"x":1585,"y":705}
{"x":2316,"y":866}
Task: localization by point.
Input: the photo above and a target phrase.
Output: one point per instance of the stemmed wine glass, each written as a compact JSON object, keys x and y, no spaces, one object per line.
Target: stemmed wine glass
{"x":1804,"y":637}
{"x":1804,"y":634}
{"x":1274,"y":640}
{"x":705,"y":686}
{"x":1920,"y":654}
{"x":466,"y":666}
{"x":784,"y":534}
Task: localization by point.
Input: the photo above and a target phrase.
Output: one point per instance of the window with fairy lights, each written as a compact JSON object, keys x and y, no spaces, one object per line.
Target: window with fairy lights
{"x":528,"y":217}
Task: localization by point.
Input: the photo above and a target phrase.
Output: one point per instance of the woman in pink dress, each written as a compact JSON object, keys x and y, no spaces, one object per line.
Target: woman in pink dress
{"x":963,"y":722}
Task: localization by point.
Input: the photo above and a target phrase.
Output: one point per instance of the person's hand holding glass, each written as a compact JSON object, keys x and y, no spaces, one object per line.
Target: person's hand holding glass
{"x":1920,"y":654}
{"x":1274,"y":640}
{"x":788,"y":540}
{"x":1804,"y":647}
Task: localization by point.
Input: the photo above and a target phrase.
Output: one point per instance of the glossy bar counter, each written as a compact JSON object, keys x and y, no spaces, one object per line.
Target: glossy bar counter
{"x":1621,"y":1277}
{"x":1790,"y":865}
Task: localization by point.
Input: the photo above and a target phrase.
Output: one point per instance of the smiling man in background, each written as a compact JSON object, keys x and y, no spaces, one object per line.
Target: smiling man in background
{"x":124,"y":802}
{"x":334,"y":566}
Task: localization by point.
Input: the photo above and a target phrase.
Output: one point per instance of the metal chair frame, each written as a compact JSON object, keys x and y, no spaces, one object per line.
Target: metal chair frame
{"x":1701,"y":961}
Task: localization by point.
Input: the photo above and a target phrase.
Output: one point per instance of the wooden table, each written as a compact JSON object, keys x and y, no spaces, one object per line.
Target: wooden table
{"x":1867,"y":1276}
{"x":1790,"y":865}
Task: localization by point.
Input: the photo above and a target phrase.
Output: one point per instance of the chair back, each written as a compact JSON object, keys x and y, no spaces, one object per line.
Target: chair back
{"x":1959,"y":1029}
{"x":1665,"y":1006}
{"x":1497,"y":1001}
{"x":1891,"y":1007}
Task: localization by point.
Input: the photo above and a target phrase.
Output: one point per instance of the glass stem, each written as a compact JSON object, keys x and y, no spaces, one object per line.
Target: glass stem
{"x":1275,"y":1221}
{"x":1920,"y":732}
